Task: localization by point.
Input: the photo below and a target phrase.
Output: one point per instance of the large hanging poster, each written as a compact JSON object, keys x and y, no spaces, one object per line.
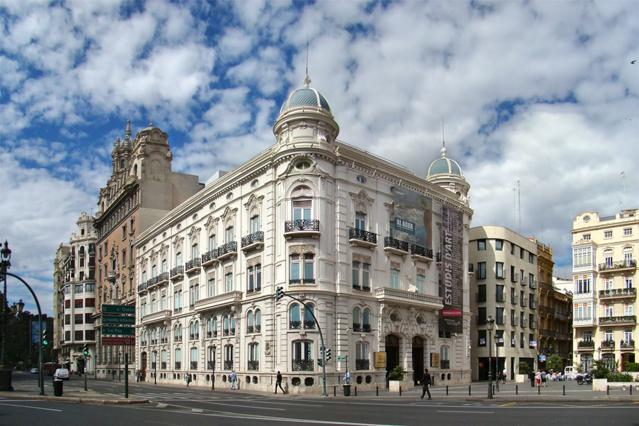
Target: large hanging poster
{"x":452,"y":271}
{"x":411,"y":217}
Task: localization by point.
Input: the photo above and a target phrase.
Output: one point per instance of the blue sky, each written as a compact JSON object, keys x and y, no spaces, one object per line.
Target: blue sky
{"x":543,"y":92}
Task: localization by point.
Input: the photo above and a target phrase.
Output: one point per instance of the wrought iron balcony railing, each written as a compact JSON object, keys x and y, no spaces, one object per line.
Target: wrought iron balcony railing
{"x":177,"y":272}
{"x":608,"y":344}
{"x":362,"y":364}
{"x":301,"y":225}
{"x":309,"y":324}
{"x":295,"y":325}
{"x":618,"y":266}
{"x":618,"y":293}
{"x":618,"y":320}
{"x":209,"y":257}
{"x":630,"y":344}
{"x":302,"y":365}
{"x":253,"y":240}
{"x":193,"y":265}
{"x":356,"y":235}
{"x":420,"y":251}
{"x":395,"y":244}
{"x":226,"y":250}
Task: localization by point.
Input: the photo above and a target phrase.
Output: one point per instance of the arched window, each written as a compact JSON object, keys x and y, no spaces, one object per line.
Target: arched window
{"x":357,"y":325}
{"x":164,"y":357}
{"x":302,"y":355}
{"x":249,"y":322}
{"x":226,"y":325}
{"x":228,"y":357}
{"x":309,"y":322}
{"x":194,"y":356}
{"x":178,"y":359}
{"x":302,"y":203}
{"x":211,"y":327}
{"x":366,"y":320}
{"x":444,"y":357}
{"x":294,"y":317}
{"x":258,"y":321}
{"x":210,"y":364}
{"x":177,"y":333}
{"x":362,"y":356}
{"x":232,"y":320}
{"x":195,"y":331}
{"x":178,"y":258}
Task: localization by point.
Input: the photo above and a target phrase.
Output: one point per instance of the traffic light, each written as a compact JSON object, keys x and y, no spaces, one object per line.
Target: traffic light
{"x":85,"y":350}
{"x":328,"y":354}
{"x":279,"y":293}
{"x":45,"y":341}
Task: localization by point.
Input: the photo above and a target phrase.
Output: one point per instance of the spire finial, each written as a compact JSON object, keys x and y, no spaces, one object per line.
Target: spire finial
{"x":443,"y":150}
{"x":127,"y":130}
{"x":307,"y":79}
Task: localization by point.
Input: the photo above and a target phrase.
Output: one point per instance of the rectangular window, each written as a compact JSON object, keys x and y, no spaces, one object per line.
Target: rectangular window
{"x":79,"y":319}
{"x":499,"y":337}
{"x":513,"y":275}
{"x":294,"y":273}
{"x":627,"y":258}
{"x":164,"y":267}
{"x":228,"y":282}
{"x":513,"y":342}
{"x":513,"y":296}
{"x":210,"y":286}
{"x":481,"y":316}
{"x":254,"y":224}
{"x":531,"y":258}
{"x":355,"y":274}
{"x":394,"y":278}
{"x":79,"y":335}
{"x":420,"y":282}
{"x":627,"y":336}
{"x":482,"y":337}
{"x":531,"y":279}
{"x":250,"y":284}
{"x":481,"y":245}
{"x":257,"y":270}
{"x":481,"y":270}
{"x":89,"y":335}
{"x":195,"y":251}
{"x":229,"y":235}
{"x":499,"y":269}
{"x":499,"y":293}
{"x":88,"y":319}
{"x":628,"y":282}
{"x":212,"y":242}
{"x":78,"y":303}
{"x":628,"y":310}
{"x":608,"y":311}
{"x":608,"y":336}
{"x":627,"y":232}
{"x":366,"y":276}
{"x":309,"y":276}
{"x":302,"y":210}
{"x":499,"y":316}
{"x":481,"y":294}
{"x":360,"y":221}
{"x":512,"y":248}
{"x":513,"y":320}
{"x":586,"y":237}
{"x":499,"y":245}
{"x":67,"y":319}
{"x":521,"y":340}
{"x":607,"y":234}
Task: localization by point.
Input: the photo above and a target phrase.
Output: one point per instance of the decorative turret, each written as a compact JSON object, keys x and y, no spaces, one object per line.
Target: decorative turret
{"x":447,"y":173}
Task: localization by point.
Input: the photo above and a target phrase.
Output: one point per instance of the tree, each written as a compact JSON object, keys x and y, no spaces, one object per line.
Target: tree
{"x":554,"y":363}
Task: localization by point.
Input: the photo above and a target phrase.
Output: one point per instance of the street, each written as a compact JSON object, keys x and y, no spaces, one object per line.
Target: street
{"x":182,"y":406}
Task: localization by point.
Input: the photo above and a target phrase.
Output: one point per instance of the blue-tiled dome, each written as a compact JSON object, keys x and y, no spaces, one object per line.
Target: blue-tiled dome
{"x":305,"y":96}
{"x":444,"y":165}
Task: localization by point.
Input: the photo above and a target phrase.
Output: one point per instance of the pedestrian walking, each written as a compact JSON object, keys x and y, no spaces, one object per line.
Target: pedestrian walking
{"x":278,"y":382}
{"x":426,"y":384}
{"x":503,"y":376}
{"x":187,"y":379}
{"x":233,"y":378}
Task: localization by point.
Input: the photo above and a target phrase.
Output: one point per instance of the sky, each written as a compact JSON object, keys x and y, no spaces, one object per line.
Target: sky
{"x":540,"y":92}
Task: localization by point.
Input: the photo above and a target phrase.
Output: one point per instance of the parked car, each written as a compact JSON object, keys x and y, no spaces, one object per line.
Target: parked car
{"x":33,"y":371}
{"x":61,"y":373}
{"x":570,"y":373}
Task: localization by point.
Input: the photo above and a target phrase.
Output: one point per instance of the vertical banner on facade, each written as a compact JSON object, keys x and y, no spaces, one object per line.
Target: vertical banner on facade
{"x":452,"y":271}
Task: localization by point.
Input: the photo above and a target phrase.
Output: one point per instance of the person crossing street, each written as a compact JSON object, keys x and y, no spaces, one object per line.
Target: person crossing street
{"x":426,"y":384}
{"x":278,"y":382}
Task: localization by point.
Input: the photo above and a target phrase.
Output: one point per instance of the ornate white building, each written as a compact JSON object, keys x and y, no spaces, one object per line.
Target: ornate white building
{"x":379,"y":254}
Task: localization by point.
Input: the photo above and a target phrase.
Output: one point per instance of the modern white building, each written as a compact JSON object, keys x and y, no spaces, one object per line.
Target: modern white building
{"x":376,"y":253}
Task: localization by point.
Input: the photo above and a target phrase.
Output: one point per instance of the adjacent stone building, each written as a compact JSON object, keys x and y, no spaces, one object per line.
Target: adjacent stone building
{"x":504,"y":291}
{"x":375,"y":252}
{"x":142,"y":189}
{"x":604,"y":297}
{"x":75,"y":297}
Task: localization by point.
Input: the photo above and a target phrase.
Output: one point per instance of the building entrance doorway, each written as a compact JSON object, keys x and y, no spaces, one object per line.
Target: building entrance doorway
{"x":392,"y":352}
{"x":418,"y":359}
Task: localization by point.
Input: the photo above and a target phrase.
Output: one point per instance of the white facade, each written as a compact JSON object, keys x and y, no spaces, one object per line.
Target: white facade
{"x":311,"y":215}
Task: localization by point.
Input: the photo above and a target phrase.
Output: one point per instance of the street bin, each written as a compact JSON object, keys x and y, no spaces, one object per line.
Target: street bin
{"x":347,"y":390}
{"x":57,"y":387}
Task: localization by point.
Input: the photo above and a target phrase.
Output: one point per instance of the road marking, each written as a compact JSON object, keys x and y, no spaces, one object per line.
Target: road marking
{"x":33,"y":408}
{"x":465,"y":412}
{"x":242,"y":406}
{"x":508,"y":404}
{"x":282,"y":403}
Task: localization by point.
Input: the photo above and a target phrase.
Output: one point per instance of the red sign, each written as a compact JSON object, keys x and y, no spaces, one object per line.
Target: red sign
{"x":118,"y":341}
{"x":451,"y":312}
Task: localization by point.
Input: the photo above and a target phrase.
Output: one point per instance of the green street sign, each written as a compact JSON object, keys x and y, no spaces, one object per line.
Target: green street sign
{"x":116,"y":320}
{"x":118,"y":309}
{"x":341,"y":357}
{"x":121,"y":331}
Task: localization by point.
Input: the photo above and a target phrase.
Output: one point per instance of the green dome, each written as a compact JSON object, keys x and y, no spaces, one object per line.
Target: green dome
{"x":305,"y":97}
{"x":444,"y":165}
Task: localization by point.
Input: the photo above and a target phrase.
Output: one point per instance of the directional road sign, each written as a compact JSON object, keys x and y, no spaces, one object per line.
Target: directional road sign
{"x":118,"y":309}
{"x":119,"y":331}
{"x":117,"y":320}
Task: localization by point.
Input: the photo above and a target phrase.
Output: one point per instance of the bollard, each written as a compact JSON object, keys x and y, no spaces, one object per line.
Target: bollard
{"x":376,"y":390}
{"x":468,"y":390}
{"x":630,"y":389}
{"x":538,"y":390}
{"x":607,"y":390}
{"x":400,"y":391}
{"x":334,"y":390}
{"x":493,"y":389}
{"x":564,"y":391}
{"x":355,"y":390}
{"x":446,"y":390}
{"x":516,"y":389}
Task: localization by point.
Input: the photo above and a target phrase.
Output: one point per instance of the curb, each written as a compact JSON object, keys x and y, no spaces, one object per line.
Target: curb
{"x":80,"y":400}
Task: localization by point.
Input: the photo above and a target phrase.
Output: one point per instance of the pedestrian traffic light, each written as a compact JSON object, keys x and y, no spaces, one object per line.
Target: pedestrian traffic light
{"x":45,"y":341}
{"x":328,"y":354}
{"x":85,"y":350}
{"x":279,"y":293}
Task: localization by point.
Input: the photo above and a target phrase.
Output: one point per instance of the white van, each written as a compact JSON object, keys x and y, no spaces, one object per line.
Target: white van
{"x":570,"y":373}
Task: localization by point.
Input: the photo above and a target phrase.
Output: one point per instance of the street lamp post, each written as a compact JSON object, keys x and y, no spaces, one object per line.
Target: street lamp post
{"x":5,"y":372}
{"x":497,"y":369}
{"x":490,"y":323}
{"x":155,"y":367}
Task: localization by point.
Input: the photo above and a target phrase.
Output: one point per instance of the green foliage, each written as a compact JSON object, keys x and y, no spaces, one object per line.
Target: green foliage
{"x":600,"y":371}
{"x":524,"y":368}
{"x":396,"y":373}
{"x":619,"y":377}
{"x":554,"y":363}
{"x":631,"y":366}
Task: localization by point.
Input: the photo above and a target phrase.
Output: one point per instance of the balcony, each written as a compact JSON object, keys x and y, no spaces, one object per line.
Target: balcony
{"x":366,"y":328}
{"x":586,"y":345}
{"x":295,"y":325}
{"x":210,"y":257}
{"x":408,"y":298}
{"x":357,"y":327}
{"x":193,"y":266}
{"x":619,"y":320}
{"x":159,"y":316}
{"x":227,"y":251}
{"x":302,"y":228}
{"x":163,"y":278}
{"x":362,"y":288}
{"x":211,"y":334}
{"x":395,"y":246}
{"x":178,"y":365}
{"x":302,"y":365}
{"x":361,"y":238}
{"x":618,"y":293}
{"x":583,"y":322}
{"x":626,"y":266}
{"x":142,"y":287}
{"x":254,"y":241}
{"x":221,"y":300}
{"x":627,"y":345}
{"x":177,"y":273}
{"x":421,"y":253}
{"x":228,"y":365}
{"x":362,"y":364}
{"x":608,"y":345}
{"x":253,"y":365}
{"x":309,"y":324}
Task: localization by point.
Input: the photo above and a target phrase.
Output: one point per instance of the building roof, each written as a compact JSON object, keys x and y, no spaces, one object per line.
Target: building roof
{"x":444,"y":165}
{"x":305,"y":96}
